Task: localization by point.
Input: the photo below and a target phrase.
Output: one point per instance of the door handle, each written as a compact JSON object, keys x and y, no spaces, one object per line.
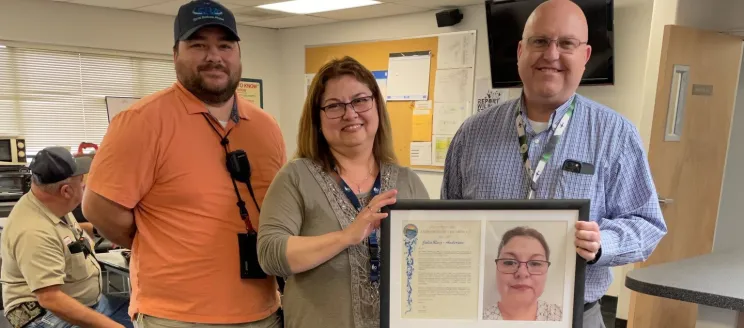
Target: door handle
{"x":665,"y":200}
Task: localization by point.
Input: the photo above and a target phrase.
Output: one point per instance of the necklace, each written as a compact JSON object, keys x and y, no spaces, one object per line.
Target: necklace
{"x":359,"y":184}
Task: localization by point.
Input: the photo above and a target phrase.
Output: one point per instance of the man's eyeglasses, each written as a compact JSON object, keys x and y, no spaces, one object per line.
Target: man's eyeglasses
{"x":566,"y":45}
{"x":510,"y":266}
{"x":359,"y":105}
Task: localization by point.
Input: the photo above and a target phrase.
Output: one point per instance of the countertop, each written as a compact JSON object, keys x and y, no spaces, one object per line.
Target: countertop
{"x":715,"y":279}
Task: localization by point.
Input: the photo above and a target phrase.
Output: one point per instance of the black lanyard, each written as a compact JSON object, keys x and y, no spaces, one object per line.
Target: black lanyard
{"x":224,"y":142}
{"x":374,"y":248}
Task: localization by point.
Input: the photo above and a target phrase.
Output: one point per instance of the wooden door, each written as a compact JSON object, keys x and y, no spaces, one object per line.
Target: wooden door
{"x":698,"y":78}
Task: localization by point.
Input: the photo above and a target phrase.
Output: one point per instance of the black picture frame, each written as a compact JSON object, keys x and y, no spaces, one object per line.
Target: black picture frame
{"x":581,"y":206}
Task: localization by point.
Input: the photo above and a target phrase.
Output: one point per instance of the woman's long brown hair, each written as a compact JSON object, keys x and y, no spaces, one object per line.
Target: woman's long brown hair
{"x":312,"y":144}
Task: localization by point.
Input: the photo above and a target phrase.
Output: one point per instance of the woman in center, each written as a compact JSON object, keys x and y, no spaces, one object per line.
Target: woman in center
{"x":521,"y":272}
{"x":322,"y":210}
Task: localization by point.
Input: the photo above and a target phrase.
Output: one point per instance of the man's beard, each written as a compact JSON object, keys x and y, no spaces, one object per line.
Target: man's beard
{"x":197,"y":86}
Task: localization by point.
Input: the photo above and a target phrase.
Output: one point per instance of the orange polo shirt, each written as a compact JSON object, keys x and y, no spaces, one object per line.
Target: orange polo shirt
{"x":161,"y":158}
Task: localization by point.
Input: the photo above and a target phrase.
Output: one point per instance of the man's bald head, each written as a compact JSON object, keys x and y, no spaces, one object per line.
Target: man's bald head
{"x":553,"y":54}
{"x":565,"y":11}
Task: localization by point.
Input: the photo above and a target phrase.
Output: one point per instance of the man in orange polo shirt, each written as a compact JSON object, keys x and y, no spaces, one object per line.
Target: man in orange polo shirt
{"x":160,"y":185}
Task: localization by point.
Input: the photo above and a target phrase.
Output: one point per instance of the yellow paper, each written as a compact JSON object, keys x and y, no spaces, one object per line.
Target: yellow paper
{"x":440,"y":148}
{"x":421,"y":127}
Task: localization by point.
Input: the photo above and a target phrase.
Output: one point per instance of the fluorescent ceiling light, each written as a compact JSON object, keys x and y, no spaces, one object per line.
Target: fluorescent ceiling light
{"x":316,"y":6}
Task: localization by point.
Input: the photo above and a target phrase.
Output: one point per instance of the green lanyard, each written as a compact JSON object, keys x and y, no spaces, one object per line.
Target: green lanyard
{"x":558,"y":128}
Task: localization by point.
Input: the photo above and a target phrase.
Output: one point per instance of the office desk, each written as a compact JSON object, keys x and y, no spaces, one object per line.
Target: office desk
{"x":713,"y":281}
{"x":115,"y":263}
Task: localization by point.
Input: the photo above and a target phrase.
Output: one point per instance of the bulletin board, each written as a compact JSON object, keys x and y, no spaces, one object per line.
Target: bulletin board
{"x":409,"y":125}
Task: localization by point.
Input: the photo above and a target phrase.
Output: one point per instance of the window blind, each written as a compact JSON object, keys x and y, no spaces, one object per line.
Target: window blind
{"x":57,"y":98}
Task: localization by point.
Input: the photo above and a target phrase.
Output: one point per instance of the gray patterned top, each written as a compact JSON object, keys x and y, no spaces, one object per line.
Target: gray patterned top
{"x":304,"y":200}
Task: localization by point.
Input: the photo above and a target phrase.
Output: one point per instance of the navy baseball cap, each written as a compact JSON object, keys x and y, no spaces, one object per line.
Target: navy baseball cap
{"x":200,"y":13}
{"x":54,"y":164}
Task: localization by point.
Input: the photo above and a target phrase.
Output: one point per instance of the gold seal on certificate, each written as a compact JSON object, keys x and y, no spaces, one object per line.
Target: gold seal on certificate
{"x":482,"y":263}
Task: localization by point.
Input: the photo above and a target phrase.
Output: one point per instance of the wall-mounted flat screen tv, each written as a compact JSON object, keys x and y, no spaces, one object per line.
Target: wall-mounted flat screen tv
{"x":506,"y":20}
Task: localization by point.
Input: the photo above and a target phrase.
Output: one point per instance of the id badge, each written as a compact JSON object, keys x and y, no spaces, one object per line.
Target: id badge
{"x":249,"y":267}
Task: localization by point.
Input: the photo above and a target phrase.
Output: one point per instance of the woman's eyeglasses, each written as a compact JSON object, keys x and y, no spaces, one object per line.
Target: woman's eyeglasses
{"x":359,"y":105}
{"x":510,"y":266}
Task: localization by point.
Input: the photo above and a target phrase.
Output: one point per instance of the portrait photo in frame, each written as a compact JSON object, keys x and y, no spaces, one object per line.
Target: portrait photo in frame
{"x":461,"y":263}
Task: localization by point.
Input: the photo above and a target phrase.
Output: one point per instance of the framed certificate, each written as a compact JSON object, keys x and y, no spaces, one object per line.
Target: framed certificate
{"x":482,"y":263}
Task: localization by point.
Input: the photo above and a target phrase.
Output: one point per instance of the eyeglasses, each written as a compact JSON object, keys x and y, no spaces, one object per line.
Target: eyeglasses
{"x":510,"y":266}
{"x":565,"y":45}
{"x":359,"y":105}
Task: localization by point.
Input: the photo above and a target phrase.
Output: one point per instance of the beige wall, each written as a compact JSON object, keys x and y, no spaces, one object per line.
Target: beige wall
{"x":69,"y":25}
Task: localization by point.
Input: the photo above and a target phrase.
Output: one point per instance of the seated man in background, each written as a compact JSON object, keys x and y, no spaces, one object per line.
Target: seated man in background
{"x":50,"y":276}
{"x":83,"y":222}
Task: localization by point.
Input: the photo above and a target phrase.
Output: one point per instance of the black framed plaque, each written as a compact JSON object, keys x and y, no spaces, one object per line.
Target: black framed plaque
{"x":482,"y":263}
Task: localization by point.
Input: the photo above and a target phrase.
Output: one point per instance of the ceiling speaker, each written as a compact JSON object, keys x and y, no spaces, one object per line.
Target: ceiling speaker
{"x":449,"y":17}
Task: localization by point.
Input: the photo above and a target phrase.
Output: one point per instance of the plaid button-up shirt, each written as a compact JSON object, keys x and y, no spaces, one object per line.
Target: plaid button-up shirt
{"x":484,"y":162}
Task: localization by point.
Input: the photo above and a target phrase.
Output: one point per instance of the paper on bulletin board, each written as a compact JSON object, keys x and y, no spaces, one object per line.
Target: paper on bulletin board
{"x":456,"y":50}
{"x":453,"y":85}
{"x":422,"y":107}
{"x":251,"y":90}
{"x":421,"y":153}
{"x":439,"y":149}
{"x":486,"y":97}
{"x":421,"y":125}
{"x":381,"y":77}
{"x":449,"y":116}
{"x":408,"y":76}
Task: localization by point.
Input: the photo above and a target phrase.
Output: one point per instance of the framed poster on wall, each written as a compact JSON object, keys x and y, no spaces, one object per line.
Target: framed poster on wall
{"x":476,"y":263}
{"x":251,"y":90}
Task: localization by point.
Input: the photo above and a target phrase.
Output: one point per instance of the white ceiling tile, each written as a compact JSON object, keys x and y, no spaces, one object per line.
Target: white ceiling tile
{"x":246,"y":14}
{"x":381,"y":10}
{"x":291,"y":21}
{"x":170,"y":7}
{"x":259,"y":13}
{"x":437,"y":4}
{"x":120,"y":4}
{"x":250,"y":3}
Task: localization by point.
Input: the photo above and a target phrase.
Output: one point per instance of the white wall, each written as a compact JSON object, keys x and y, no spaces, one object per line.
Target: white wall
{"x":730,"y":222}
{"x":78,"y":27}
